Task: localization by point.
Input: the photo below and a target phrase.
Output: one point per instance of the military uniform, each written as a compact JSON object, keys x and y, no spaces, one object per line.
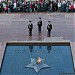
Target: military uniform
{"x":49,"y":27}
{"x":39,"y":24}
{"x":30,"y":27}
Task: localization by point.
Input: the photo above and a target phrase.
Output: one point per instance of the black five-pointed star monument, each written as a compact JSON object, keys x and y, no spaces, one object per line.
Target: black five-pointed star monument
{"x":37,"y":65}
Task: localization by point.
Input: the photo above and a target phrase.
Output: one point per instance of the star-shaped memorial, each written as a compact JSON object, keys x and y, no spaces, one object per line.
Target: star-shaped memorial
{"x":37,"y":66}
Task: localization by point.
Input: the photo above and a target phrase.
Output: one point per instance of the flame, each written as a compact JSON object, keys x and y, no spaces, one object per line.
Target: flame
{"x":39,"y":60}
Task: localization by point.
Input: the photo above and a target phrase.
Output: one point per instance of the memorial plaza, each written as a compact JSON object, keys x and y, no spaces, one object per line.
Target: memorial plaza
{"x":14,"y":28}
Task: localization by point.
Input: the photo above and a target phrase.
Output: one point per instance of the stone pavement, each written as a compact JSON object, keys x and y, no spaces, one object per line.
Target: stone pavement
{"x":13,"y":27}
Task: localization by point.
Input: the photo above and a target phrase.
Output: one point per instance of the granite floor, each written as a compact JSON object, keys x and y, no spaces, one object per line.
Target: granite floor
{"x":13,"y":27}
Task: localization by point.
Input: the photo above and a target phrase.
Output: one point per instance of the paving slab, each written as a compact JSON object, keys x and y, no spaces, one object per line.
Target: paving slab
{"x":2,"y":49}
{"x":13,"y":27}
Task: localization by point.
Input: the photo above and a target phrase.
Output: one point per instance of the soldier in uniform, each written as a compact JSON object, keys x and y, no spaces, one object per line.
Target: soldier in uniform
{"x":30,"y":27}
{"x":39,"y":24}
{"x":49,"y":27}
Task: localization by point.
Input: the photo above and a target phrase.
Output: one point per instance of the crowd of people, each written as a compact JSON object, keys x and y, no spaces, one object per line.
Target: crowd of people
{"x":50,"y":6}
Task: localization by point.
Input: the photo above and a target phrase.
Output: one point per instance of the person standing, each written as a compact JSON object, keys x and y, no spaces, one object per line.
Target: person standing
{"x":49,"y":27}
{"x":67,"y":6}
{"x":74,"y":6}
{"x":39,"y":24}
{"x":15,"y":6}
{"x":30,"y":27}
{"x":59,"y":6}
{"x":30,"y":6}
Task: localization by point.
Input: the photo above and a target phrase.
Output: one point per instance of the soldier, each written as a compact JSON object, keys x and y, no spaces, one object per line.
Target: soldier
{"x":49,"y":27}
{"x":30,"y":27}
{"x":39,"y":24}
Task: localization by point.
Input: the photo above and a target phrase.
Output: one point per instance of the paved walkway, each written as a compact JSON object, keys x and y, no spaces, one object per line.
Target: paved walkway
{"x":13,"y":27}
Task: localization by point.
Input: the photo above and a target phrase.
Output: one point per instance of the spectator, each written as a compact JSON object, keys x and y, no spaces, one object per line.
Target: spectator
{"x":6,"y":9}
{"x":1,"y":7}
{"x":74,"y":6}
{"x":36,"y":4}
{"x":15,"y":7}
{"x":63,"y":6}
{"x":50,"y":8}
{"x":59,"y":6}
{"x":67,"y":7}
{"x":30,"y":6}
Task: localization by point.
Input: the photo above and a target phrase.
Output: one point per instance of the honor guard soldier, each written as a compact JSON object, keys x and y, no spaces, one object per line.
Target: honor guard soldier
{"x":39,"y":24}
{"x":30,"y":27}
{"x":49,"y":27}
